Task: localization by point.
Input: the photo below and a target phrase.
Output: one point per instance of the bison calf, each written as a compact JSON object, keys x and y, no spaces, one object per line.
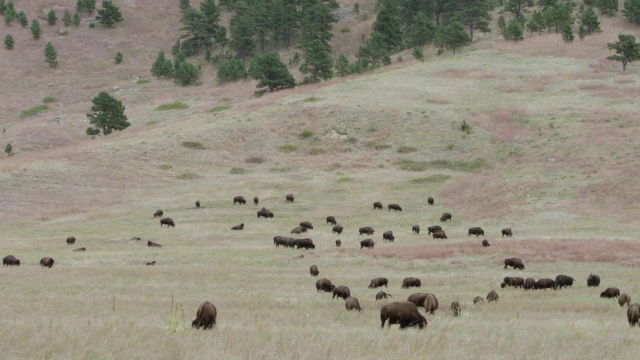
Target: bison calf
{"x":516,"y":263}
{"x":455,"y":308}
{"x":415,"y":229}
{"x":151,"y":263}
{"x":338,"y":243}
{"x":507,"y":232}
{"x":624,"y":299}
{"x":352,"y":303}
{"x":378,"y":282}
{"x":197,"y":203}
{"x":331,"y":220}
{"x":205,"y":317}
{"x":337,"y":229}
{"x":152,"y":244}
{"x":314,"y":270}
{"x":71,"y":240}
{"x":325,"y":285}
{"x":388,"y":236}
{"x":341,"y":292}
{"x":593,"y":280}
{"x":633,"y":314}
{"x":382,"y":295}
{"x":430,"y":200}
{"x":430,"y":303}
{"x":377,"y":205}
{"x":493,"y":296}
{"x":477,"y":299}
{"x":80,"y":249}
{"x":255,"y":200}
{"x":289,"y":198}
{"x":238,"y":227}
{"x":485,"y":243}
{"x":439,"y":234}
{"x":158,"y":213}
{"x":446,"y":216}
{"x":46,"y":262}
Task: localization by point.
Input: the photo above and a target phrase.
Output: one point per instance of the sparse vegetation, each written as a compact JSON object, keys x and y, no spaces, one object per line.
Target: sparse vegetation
{"x":317,"y":151}
{"x":118,"y":58}
{"x":312,"y":99}
{"x":220,"y":108}
{"x":238,"y":171}
{"x":49,"y":99}
{"x":195,"y":145}
{"x":8,"y":149}
{"x":287,"y":148}
{"x":34,"y":110}
{"x":306,"y":134}
{"x":377,"y":145}
{"x":255,"y":160}
{"x":8,"y":42}
{"x":403,"y":149}
{"x":433,"y":179}
{"x":465,"y":127}
{"x":189,"y":176}
{"x":143,"y":81}
{"x":173,"y":106}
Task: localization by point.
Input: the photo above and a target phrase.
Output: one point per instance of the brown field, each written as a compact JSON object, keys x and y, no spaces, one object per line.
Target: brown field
{"x":552,"y":153}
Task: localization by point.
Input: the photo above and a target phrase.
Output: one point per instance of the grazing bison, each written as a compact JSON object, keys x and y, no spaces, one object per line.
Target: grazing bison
{"x":289,"y":198}
{"x":80,"y":249}
{"x":197,"y":203}
{"x":388,"y":235}
{"x":431,"y":303}
{"x":485,"y":243}
{"x":394,"y":207}
{"x":304,"y":243}
{"x":337,"y":229}
{"x":10,"y":260}
{"x":417,"y":298}
{"x":341,"y":292}
{"x":516,"y":263}
{"x":283,"y":240}
{"x":493,"y":296}
{"x":338,"y":243}
{"x":71,"y":240}
{"x":325,"y":285}
{"x":378,"y":282}
{"x":299,"y":230}
{"x":411,"y":282}
{"x":306,"y":225}
{"x":477,"y":231}
{"x":404,"y":313}
{"x":433,"y":229}
{"x":377,"y":205}
{"x":624,"y":299}
{"x":256,"y":200}
{"x":205,"y":317}
{"x":158,"y":213}
{"x":238,"y":227}
{"x":239,"y":200}
{"x":455,"y":308}
{"x":633,"y":314}
{"x":507,"y":232}
{"x":477,"y":299}
{"x":331,"y":220}
{"x":529,"y":284}
{"x":544,"y":284}
{"x":314,"y":270}
{"x":446,"y":216}
{"x":152,"y":244}
{"x":382,"y":295}
{"x":151,"y":263}
{"x":367,"y":243}
{"x":415,"y":229}
{"x":366,"y":230}
{"x":512,"y":281}
{"x":610,"y":293}
{"x":352,"y":303}
{"x":563,"y":281}
{"x":593,"y":280}
{"x":265,"y":213}
{"x":430,"y":200}
{"x":46,"y":262}
{"x":439,"y":234}
{"x":167,"y":221}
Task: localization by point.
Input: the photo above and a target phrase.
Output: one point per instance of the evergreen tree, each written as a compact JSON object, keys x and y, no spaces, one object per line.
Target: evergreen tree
{"x":184,"y":4}
{"x":418,"y":53}
{"x":387,"y":23}
{"x":178,"y":60}
{"x":22,"y":19}
{"x":162,"y":67}
{"x":36,"y":30}
{"x":8,"y":42}
{"x":589,"y":20}
{"x":76,"y":19}
{"x":118,"y":58}
{"x":410,"y":9}
{"x":107,"y":115}
{"x":502,"y":24}
{"x":261,"y":22}
{"x":516,"y":7}
{"x":627,"y":50}
{"x":52,"y":19}
{"x":66,"y":18}
{"x":514,"y":31}
{"x":474,"y":14}
{"x":50,"y":55}
{"x":81,"y":6}
{"x":422,"y":31}
{"x":557,"y":15}
{"x":9,"y":15}
{"x":631,"y":11}
{"x":231,"y":70}
{"x":582,"y":32}
{"x":342,"y":65}
{"x":3,"y":7}
{"x":109,"y":14}
{"x":316,"y":24}
{"x":608,"y":7}
{"x":567,"y":33}
{"x":242,"y":32}
{"x":216,"y":32}
{"x":452,"y":37}
{"x":536,"y":24}
{"x":90,"y":6}
{"x":271,"y":72}
{"x":285,"y":21}
{"x":187,"y":73}
{"x":317,"y":63}
{"x":373,"y":51}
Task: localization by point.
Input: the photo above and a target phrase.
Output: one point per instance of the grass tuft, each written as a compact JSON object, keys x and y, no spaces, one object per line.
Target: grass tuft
{"x":433,"y":179}
{"x":35,"y":110}
{"x":193,"y":145}
{"x":172,"y":106}
{"x":143,"y":81}
{"x":461,"y":165}
{"x":305,"y":134}
{"x":189,"y":176}
{"x":238,"y":171}
{"x":312,"y":99}
{"x":403,"y":149}
{"x":255,"y":160}
{"x":49,"y":99}
{"x":220,"y":108}
{"x":287,"y":148}
{"x":377,"y":145}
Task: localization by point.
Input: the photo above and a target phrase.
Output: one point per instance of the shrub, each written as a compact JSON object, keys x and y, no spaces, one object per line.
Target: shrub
{"x":231,"y":70}
{"x":312,"y":99}
{"x":287,"y":148}
{"x":189,"y":176}
{"x":238,"y":171}
{"x":92,"y":25}
{"x":22,"y":19}
{"x":305,"y":134}
{"x":172,"y":106}
{"x":378,"y":146}
{"x":8,"y":42}
{"x":118,"y":58}
{"x":49,"y":99}
{"x":187,"y":73}
{"x":165,"y":167}
{"x":193,"y":145}
{"x":142,"y":81}
{"x":418,"y":53}
{"x":345,"y":29}
{"x":220,"y":108}
{"x":460,"y":165}
{"x":433,"y":179}
{"x":465,"y":127}
{"x":343,"y":179}
{"x":34,"y":110}
{"x":406,"y":149}
{"x":8,"y":149}
{"x":255,"y":160}
{"x":317,"y":151}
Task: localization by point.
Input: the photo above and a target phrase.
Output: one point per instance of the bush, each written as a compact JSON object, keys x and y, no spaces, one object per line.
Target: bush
{"x":34,"y":110}
{"x":255,"y":160}
{"x":403,"y":149}
{"x":187,"y":73}
{"x":312,"y":99}
{"x":8,"y":42}
{"x":92,"y":25}
{"x":172,"y":106}
{"x":231,"y":70}
{"x":220,"y":108}
{"x":142,"y":81}
{"x":376,"y":145}
{"x":49,"y":99}
{"x":465,"y":127}
{"x":305,"y":134}
{"x":418,"y":53}
{"x":193,"y":145}
{"x":8,"y":149}
{"x":287,"y":148}
{"x":189,"y":176}
{"x":345,"y":29}
{"x":118,"y":58}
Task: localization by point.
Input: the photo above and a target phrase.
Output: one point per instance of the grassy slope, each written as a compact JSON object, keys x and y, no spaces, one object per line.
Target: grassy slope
{"x":553,"y":125}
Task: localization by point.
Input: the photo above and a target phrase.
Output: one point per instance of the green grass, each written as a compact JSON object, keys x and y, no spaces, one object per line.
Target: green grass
{"x":288,"y":148}
{"x":143,"y":81}
{"x":433,"y":179}
{"x":193,"y":145}
{"x":377,"y":145}
{"x":255,"y":160}
{"x":173,"y":106}
{"x":462,"y":165}
{"x":35,"y":110}
{"x":49,"y":99}
{"x":220,"y":108}
{"x":189,"y":176}
{"x":312,"y":99}
{"x":403,"y":149}
{"x":306,"y":134}
{"x":238,"y":171}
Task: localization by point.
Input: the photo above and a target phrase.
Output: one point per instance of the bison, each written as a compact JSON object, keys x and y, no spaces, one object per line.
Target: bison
{"x":455,"y":308}
{"x":239,"y":200}
{"x":394,"y":207}
{"x":80,"y":249}
{"x":152,"y":244}
{"x":417,"y":298}
{"x":388,"y":235}
{"x":377,"y":205}
{"x":415,"y":229}
{"x":46,"y":262}
{"x":10,"y":260}
{"x":282,"y":240}
{"x":304,"y":243}
{"x":366,"y":230}
{"x":493,"y":296}
{"x":331,"y":220}
{"x":205,"y":317}
{"x":563,"y":281}
{"x":624,"y":299}
{"x":446,"y":216}
{"x":299,"y":230}
{"x":265,"y":213}
{"x":404,"y":313}
{"x":477,"y":299}
{"x":378,"y":282}
{"x":158,"y":213}
{"x":338,"y":243}
{"x":593,"y":280}
{"x":71,"y":240}
{"x":477,"y":231}
{"x":430,"y":303}
{"x":507,"y":232}
{"x":516,"y":263}
{"x":306,"y":225}
{"x":439,"y":234}
{"x":256,"y":200}
{"x":352,"y":303}
{"x":485,"y":243}
{"x":512,"y":281}
{"x":367,"y":243}
{"x":341,"y":292}
{"x":325,"y":285}
{"x":529,"y":284}
{"x":382,"y":295}
{"x":544,"y":284}
{"x":314,"y":270}
{"x":633,"y":314}
{"x":197,"y":203}
{"x":151,"y":263}
{"x":337,"y":229}
{"x":610,"y":293}
{"x":289,"y":198}
{"x":238,"y":227}
{"x":432,"y":229}
{"x":167,"y":221}
{"x":411,"y":282}
{"x":430,"y":200}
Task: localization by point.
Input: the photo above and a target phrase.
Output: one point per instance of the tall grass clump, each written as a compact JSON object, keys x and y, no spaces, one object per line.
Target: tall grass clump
{"x":220,"y":108}
{"x":193,"y":145}
{"x":172,"y":106}
{"x":35,"y":110}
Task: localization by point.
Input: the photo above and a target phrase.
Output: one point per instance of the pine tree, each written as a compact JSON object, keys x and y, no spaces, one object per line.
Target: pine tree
{"x":589,"y":19}
{"x":474,"y":14}
{"x":3,"y":7}
{"x":502,"y":24}
{"x":9,"y":15}
{"x":316,"y":24}
{"x":118,"y":58}
{"x":109,"y":14}
{"x":8,"y":42}
{"x":285,"y":22}
{"x":107,"y":115}
{"x":231,"y":70}
{"x":50,"y":54}
{"x":627,"y":50}
{"x":317,"y":63}
{"x":422,"y":31}
{"x":608,"y":7}
{"x":90,"y":6}
{"x":162,"y":67}
{"x":22,"y":19}
{"x":342,"y":65}
{"x":418,"y":53}
{"x":76,"y":19}
{"x":536,"y":24}
{"x":631,"y":11}
{"x":52,"y":19}
{"x":81,"y":6}
{"x":582,"y":32}
{"x":452,"y":37}
{"x":242,"y":32}
{"x":373,"y":51}
{"x":514,"y":31}
{"x":187,"y":73}
{"x":36,"y":30}
{"x":516,"y":7}
{"x":66,"y":18}
{"x":567,"y":33}
{"x":387,"y":23}
{"x":271,"y":72}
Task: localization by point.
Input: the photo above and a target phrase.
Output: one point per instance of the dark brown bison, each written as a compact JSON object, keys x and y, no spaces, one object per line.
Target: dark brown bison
{"x":563,"y":281}
{"x":167,"y":221}
{"x":446,"y":216}
{"x":304,"y":243}
{"x":367,"y":243}
{"x":439,"y":234}
{"x":338,"y":243}
{"x":430,"y":200}
{"x":388,"y":235}
{"x":341,"y":292}
{"x":516,"y":282}
{"x":238,"y":227}
{"x":507,"y":232}
{"x":197,"y":203}
{"x":331,"y":220}
{"x":485,"y":243}
{"x":382,"y":295}
{"x":298,"y":230}
{"x":411,"y":282}
{"x":289,"y":198}
{"x":71,"y":240}
{"x":633,"y":314}
{"x":239,"y":200}
{"x":325,"y":285}
{"x":432,"y":229}
{"x":80,"y":249}
{"x":337,"y":229}
{"x":152,"y":244}
{"x":610,"y":293}
{"x":516,"y":263}
{"x":378,"y":282}
{"x":404,"y":313}
{"x":314,"y":270}
{"x":394,"y":207}
{"x":493,"y":296}
{"x":624,"y":299}
{"x":306,"y":225}
{"x":151,"y":263}
{"x":352,"y":303}
{"x":46,"y":262}
{"x":455,"y":308}
{"x":158,"y":213}
{"x":544,"y":284}
{"x":431,"y":303}
{"x":206,"y":316}
{"x":366,"y":230}
{"x":256,"y":200}
{"x":265,"y":213}
{"x":417,"y":298}
{"x":529,"y":284}
{"x":415,"y":229}
{"x":477,"y":299}
{"x":593,"y":280}
{"x":377,"y":205}
{"x":10,"y":260}
{"x":282,"y":240}
{"x":477,"y":231}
